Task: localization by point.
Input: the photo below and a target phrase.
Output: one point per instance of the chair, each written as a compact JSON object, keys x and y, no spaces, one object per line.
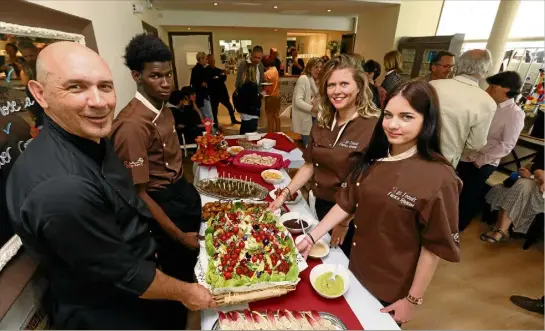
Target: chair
{"x":535,"y":232}
{"x":185,"y":146}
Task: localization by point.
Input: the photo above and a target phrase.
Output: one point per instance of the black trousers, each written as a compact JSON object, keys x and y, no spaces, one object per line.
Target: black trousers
{"x":182,"y":204}
{"x":215,"y":100}
{"x":473,"y":191}
{"x":248,"y":126}
{"x":322,"y":208}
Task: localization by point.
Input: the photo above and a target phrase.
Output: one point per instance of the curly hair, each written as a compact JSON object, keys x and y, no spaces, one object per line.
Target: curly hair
{"x":145,"y":48}
{"x":364,"y":100}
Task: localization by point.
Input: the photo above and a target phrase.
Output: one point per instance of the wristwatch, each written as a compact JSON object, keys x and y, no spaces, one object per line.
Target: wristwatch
{"x":414,"y":301}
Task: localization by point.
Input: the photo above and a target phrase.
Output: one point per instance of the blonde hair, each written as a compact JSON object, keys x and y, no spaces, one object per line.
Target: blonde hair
{"x":200,"y":55}
{"x":393,"y":61}
{"x":364,"y":104}
{"x":311,"y":64}
{"x":249,"y":75}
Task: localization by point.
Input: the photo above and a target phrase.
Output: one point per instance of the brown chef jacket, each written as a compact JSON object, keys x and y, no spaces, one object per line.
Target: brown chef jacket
{"x":146,"y":142}
{"x":399,"y":207}
{"x":333,"y":162}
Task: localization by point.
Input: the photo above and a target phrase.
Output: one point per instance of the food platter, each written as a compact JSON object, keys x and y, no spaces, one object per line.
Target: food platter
{"x":256,"y":161}
{"x":211,"y":209}
{"x":230,"y":188}
{"x":321,"y":321}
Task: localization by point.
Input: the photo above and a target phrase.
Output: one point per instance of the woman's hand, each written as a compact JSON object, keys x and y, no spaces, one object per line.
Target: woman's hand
{"x":401,"y":310}
{"x":525,"y":173}
{"x":338,"y":235}
{"x":278,"y":202}
{"x":304,"y":246}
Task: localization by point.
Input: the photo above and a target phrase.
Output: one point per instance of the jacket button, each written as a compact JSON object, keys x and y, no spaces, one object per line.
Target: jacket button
{"x":166,"y":164}
{"x":357,"y":184}
{"x":316,"y":164}
{"x":354,"y":244}
{"x":357,"y":205}
{"x":164,"y":145}
{"x":355,"y":226}
{"x":155,"y":124}
{"x":315,"y":184}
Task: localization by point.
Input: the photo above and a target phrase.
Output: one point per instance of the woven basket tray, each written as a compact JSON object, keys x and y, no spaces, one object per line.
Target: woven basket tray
{"x":246,"y":297}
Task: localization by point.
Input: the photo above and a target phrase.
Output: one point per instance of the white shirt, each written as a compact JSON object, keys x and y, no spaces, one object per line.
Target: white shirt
{"x":466,"y":113}
{"x":502,"y":137}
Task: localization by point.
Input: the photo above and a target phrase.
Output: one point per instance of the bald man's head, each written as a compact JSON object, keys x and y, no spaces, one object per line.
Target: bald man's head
{"x":74,"y":86}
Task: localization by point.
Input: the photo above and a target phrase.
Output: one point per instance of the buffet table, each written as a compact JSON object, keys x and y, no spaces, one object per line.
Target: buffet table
{"x":365,"y":308}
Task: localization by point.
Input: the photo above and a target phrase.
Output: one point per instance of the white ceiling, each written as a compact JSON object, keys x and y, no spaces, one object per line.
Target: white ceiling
{"x":293,"y":7}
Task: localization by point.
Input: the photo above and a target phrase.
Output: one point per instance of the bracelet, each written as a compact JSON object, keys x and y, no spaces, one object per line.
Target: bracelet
{"x":311,"y":238}
{"x":287,"y":188}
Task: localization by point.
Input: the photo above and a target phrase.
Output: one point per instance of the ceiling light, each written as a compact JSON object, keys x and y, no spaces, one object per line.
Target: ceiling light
{"x":275,"y":7}
{"x":275,"y":29}
{"x":329,"y":10}
{"x":215,"y":3}
{"x":189,"y":28}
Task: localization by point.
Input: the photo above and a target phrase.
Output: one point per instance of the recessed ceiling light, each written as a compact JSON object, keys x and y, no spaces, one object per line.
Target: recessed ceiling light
{"x":329,"y":10}
{"x":275,"y":29}
{"x":275,"y":7}
{"x":189,"y":28}
{"x":215,"y":3}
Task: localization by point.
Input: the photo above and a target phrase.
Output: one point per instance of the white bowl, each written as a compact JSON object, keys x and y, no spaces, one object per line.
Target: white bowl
{"x":231,"y":150}
{"x":272,"y":181}
{"x":322,"y":269}
{"x":297,"y":199}
{"x":294,"y":215}
{"x":252,"y":136}
{"x":320,"y":242}
{"x":266,"y":143}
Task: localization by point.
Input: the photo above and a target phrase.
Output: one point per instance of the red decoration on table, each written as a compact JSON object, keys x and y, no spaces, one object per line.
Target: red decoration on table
{"x":208,"y":125}
{"x":211,"y":149}
{"x":283,"y":143}
{"x":305,"y":298}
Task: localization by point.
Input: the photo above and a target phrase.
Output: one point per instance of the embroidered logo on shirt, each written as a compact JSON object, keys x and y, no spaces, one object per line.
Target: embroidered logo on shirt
{"x":456,"y":237}
{"x":134,"y":164}
{"x":402,"y":197}
{"x":173,"y":129}
{"x":349,"y":144}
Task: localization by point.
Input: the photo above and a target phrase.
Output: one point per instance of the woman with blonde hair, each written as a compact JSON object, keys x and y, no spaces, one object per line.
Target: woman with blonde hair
{"x":304,"y":99}
{"x":393,"y":64}
{"x":343,"y":130}
{"x":248,"y":100}
{"x":272,"y":98}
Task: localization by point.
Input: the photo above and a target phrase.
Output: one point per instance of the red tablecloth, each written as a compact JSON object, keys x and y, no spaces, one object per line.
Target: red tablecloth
{"x":305,"y":298}
{"x":283,"y":143}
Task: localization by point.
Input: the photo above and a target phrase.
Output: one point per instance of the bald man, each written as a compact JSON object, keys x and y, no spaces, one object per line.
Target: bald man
{"x":79,"y":212}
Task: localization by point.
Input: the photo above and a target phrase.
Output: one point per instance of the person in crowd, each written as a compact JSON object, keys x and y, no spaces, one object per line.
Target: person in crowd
{"x":404,"y":224}
{"x":273,"y":53}
{"x":466,"y":110}
{"x":298,"y":65}
{"x":200,"y":77}
{"x":519,"y":204}
{"x":248,"y":89}
{"x":79,"y":213}
{"x":218,"y":91}
{"x":305,"y":99}
{"x":372,"y":70}
{"x":187,"y":115}
{"x":529,"y":304}
{"x":476,"y":166}
{"x":342,"y":132}
{"x":441,"y":66}
{"x":146,"y":142}
{"x":248,"y":99}
{"x":272,"y":98}
{"x":325,"y":58}
{"x":393,"y":64}
{"x":11,"y":61}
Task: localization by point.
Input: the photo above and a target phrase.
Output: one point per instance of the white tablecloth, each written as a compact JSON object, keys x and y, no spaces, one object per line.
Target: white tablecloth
{"x":363,"y":304}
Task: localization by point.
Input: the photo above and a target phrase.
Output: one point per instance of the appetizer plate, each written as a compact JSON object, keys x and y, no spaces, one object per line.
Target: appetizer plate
{"x":321,"y":269}
{"x":297,"y":198}
{"x":327,"y":321}
{"x":214,"y":187}
{"x":272,"y":180}
{"x":234,"y":150}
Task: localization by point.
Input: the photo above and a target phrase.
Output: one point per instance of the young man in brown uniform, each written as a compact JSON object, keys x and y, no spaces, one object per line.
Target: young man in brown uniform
{"x":146,"y":142}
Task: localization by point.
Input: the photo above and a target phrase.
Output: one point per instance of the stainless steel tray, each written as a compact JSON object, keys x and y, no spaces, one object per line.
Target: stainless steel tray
{"x":335,"y":321}
{"x":258,"y":192}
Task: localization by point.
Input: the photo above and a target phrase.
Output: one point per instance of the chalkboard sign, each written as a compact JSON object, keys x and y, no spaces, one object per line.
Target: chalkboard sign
{"x":21,"y":117}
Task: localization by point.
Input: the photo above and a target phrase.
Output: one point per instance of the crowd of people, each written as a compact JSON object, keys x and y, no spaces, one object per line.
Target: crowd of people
{"x":396,"y":169}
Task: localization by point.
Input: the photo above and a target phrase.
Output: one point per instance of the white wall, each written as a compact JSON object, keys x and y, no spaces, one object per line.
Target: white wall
{"x":236,"y":19}
{"x":114,"y":24}
{"x":419,"y":18}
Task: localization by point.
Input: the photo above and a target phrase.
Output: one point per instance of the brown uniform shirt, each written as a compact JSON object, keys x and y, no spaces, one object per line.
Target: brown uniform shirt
{"x":399,"y":207}
{"x":146,"y":142}
{"x":333,"y":162}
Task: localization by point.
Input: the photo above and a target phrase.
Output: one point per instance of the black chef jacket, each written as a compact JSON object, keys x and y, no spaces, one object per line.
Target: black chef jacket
{"x":73,"y":204}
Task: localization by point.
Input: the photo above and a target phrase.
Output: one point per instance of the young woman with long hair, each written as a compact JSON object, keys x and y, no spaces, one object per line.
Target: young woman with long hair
{"x":404,"y":195}
{"x":248,"y":100}
{"x":343,"y":130}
